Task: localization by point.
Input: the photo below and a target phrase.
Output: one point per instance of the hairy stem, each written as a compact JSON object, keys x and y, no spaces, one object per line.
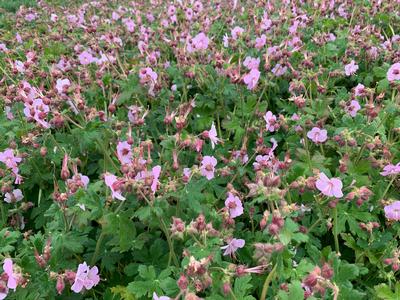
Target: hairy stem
{"x":335,"y":231}
{"x":267,"y":281}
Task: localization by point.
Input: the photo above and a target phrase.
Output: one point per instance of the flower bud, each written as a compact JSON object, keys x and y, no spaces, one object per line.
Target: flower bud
{"x":182,"y":282}
{"x":60,"y":285}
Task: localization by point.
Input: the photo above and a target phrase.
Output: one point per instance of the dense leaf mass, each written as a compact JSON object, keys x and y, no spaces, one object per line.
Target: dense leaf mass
{"x":222,"y":149}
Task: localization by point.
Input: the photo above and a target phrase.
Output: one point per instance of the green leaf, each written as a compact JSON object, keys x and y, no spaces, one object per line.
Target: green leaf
{"x":385,"y":293}
{"x":242,"y":287}
{"x":123,"y":292}
{"x":296,"y":292}
{"x":127,"y":233}
{"x":142,"y":288}
{"x":147,"y":272}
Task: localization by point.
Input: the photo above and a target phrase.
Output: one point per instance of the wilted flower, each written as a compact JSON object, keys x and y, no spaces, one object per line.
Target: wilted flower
{"x":233,"y":246}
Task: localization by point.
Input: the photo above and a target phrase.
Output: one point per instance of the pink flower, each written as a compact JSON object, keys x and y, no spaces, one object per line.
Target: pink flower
{"x":236,"y":32}
{"x":317,"y":135}
{"x":359,"y":90}
{"x":86,"y":58}
{"x":329,"y":187}
{"x":130,"y":25}
{"x":3,"y":47}
{"x":147,"y":74}
{"x":156,"y":171}
{"x":234,"y":206}
{"x":10,"y":160}
{"x":225,"y":41}
{"x":62,"y":84}
{"x":114,"y":184}
{"x":14,"y":196}
{"x":207,"y":167}
{"x":199,"y":42}
{"x":353,"y":108}
{"x":392,"y":211}
{"x":18,"y":38}
{"x":267,"y":160}
{"x":270,"y":120}
{"x":279,"y":70}
{"x":251,"y":63}
{"x":155,"y":297}
{"x":9,"y":113}
{"x":53,"y":17}
{"x":351,"y":68}
{"x":19,"y":65}
{"x":233,"y":246}
{"x":154,"y":175}
{"x":30,"y":17}
{"x":251,"y":79}
{"x":261,"y":41}
{"x":78,"y":180}
{"x":186,"y":174}
{"x":240,"y":155}
{"x":394,"y":72}
{"x":63,"y":65}
{"x":85,"y":278}
{"x":124,"y":153}
{"x":391,"y":169}
{"x":12,"y":281}
{"x":189,"y":13}
{"x":212,"y":135}
{"x":37,"y":111}
{"x":115,"y":16}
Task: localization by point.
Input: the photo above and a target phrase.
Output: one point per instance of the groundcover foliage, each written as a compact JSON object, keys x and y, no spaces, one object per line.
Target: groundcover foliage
{"x":200,"y":150}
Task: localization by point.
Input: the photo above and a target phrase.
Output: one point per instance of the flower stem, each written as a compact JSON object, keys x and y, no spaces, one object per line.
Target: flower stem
{"x":170,"y":244}
{"x":97,"y":249}
{"x":3,"y":215}
{"x":164,"y":228}
{"x":335,"y":231}
{"x":267,"y":281}
{"x":388,"y":187}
